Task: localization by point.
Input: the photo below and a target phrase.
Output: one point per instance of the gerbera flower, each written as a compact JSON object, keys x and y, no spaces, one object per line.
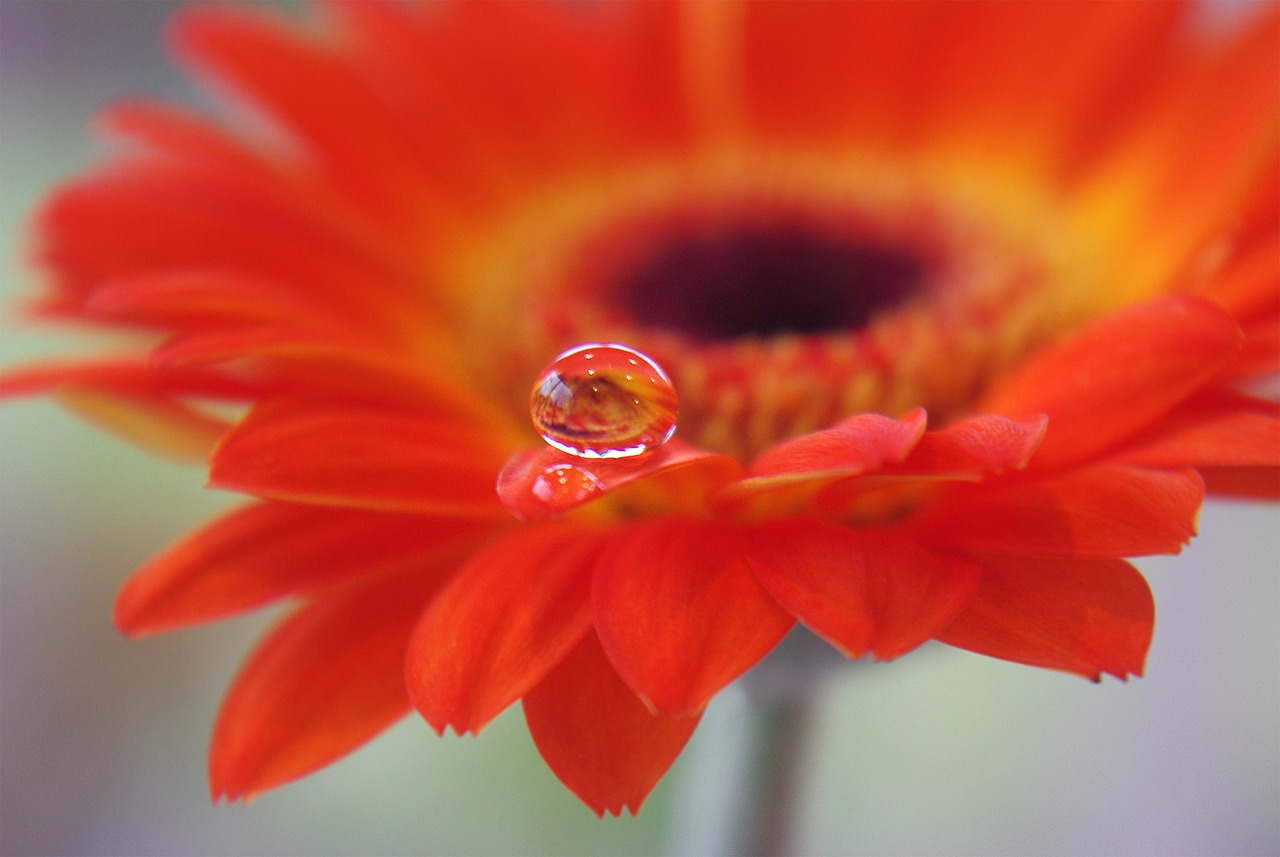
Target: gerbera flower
{"x":959,"y":302}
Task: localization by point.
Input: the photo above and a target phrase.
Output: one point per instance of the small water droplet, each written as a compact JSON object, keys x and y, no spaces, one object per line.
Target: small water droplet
{"x":604,"y":401}
{"x":564,"y":485}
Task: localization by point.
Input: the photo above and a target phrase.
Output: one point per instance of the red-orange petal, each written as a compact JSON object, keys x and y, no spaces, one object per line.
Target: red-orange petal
{"x":509,"y":616}
{"x":860,"y":444}
{"x":679,"y":611}
{"x":543,"y":482}
{"x":265,"y":551}
{"x":322,"y":363}
{"x":1100,"y":511}
{"x":975,"y":447}
{"x":597,"y":736}
{"x":1083,"y":616}
{"x":1251,"y":483}
{"x":332,"y":115}
{"x":1115,"y":376}
{"x":326,"y":680}
{"x":372,"y":458}
{"x":862,"y":591}
{"x":1215,"y":427}
{"x":194,"y":298}
{"x":126,"y":376}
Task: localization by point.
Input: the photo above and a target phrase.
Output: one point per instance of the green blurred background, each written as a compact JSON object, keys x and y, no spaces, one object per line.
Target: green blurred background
{"x":102,"y":740}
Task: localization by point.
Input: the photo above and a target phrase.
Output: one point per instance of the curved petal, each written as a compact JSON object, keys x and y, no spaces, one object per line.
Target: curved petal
{"x":679,"y":612}
{"x":598,"y":738}
{"x":332,"y":115}
{"x":975,"y":447}
{"x":543,"y":482}
{"x":1101,"y":511}
{"x":1083,"y":616}
{"x":509,"y":616}
{"x":1114,"y":377}
{"x":1253,"y":483}
{"x":266,"y":551}
{"x":156,"y":423}
{"x":391,"y":460}
{"x":329,"y":365}
{"x":128,"y":377}
{"x":863,"y":591}
{"x":191,"y":298}
{"x":1216,"y":427}
{"x":328,"y":679}
{"x":857,"y":445}
{"x":132,"y":400}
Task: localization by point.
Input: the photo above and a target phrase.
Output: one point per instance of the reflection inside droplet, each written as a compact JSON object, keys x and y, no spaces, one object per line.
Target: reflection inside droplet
{"x":564,"y":485}
{"x":604,"y":401}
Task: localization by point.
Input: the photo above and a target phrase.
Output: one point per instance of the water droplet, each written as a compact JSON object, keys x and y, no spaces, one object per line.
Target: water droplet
{"x":564,"y":485}
{"x":604,"y":401}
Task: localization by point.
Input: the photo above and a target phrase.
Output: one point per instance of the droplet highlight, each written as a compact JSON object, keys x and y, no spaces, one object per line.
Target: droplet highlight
{"x":604,"y":401}
{"x":563,"y":486}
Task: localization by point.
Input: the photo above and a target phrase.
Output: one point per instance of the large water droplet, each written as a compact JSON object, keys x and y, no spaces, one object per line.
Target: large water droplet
{"x":604,"y":401}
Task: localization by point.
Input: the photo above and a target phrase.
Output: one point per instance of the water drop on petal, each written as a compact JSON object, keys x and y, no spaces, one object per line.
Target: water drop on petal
{"x":604,"y":401}
{"x":563,"y":486}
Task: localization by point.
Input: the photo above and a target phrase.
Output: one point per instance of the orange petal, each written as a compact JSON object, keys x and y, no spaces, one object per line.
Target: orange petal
{"x":372,"y":458}
{"x":157,"y":216}
{"x":265,"y":551}
{"x":314,"y":95}
{"x":328,"y":364}
{"x":974,"y":448}
{"x":1216,"y":427}
{"x":1100,"y":511}
{"x":185,"y":298}
{"x":863,"y":591}
{"x":509,"y":616}
{"x":328,"y":679}
{"x":128,"y":377}
{"x":859,"y":444}
{"x":543,"y":482}
{"x":1251,"y":483}
{"x":597,"y":737}
{"x":1081,"y":616}
{"x":679,"y":611}
{"x":1196,"y":183}
{"x":1114,"y":377}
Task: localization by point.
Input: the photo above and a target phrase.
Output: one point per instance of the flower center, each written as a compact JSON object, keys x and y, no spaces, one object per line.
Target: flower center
{"x":775,"y":313}
{"x":764,"y":280}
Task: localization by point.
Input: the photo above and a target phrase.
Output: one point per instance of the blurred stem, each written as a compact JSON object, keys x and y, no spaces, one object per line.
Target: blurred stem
{"x":742,"y":792}
{"x":771,"y":802}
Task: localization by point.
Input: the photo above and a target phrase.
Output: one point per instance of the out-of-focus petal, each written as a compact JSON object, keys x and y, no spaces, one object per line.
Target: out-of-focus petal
{"x":1115,"y":376}
{"x":680,"y":613}
{"x":392,"y":460}
{"x":597,"y":736}
{"x":199,"y":298}
{"x":1215,"y":427}
{"x":266,"y":551}
{"x":328,"y":679}
{"x":1107,"y":510}
{"x":863,"y":591}
{"x":1251,"y":483}
{"x":509,"y":616}
{"x":1086,"y":616}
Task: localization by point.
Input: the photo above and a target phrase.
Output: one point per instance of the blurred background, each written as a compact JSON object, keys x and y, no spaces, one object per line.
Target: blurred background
{"x":102,"y":741}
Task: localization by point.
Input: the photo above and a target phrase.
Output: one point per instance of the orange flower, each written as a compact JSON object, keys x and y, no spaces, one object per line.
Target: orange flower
{"x":1053,"y":226}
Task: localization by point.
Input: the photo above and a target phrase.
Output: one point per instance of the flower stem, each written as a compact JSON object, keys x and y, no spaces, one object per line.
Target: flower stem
{"x":745,"y":785}
{"x":770,"y":811}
